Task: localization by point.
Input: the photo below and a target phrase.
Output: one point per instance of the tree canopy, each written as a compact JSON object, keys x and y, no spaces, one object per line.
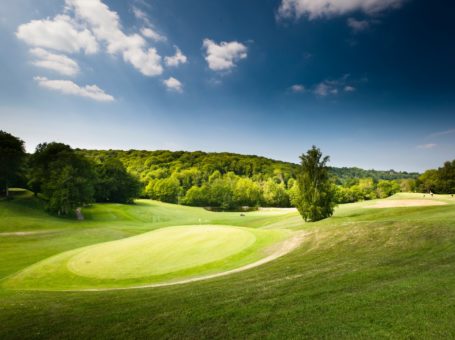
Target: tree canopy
{"x":12,"y":154}
{"x":114,"y":184}
{"x":317,"y":197}
{"x":67,"y":178}
{"x":64,"y":178}
{"x":439,"y":181}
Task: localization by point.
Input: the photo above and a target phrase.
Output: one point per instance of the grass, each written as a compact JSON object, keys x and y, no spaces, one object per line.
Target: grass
{"x":149,"y":258}
{"x":364,"y":273}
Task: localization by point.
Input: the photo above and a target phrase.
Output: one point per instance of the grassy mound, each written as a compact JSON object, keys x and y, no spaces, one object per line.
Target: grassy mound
{"x":163,"y":255}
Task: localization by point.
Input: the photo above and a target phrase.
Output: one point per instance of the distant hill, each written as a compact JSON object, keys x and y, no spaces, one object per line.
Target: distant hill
{"x":346,"y":173}
{"x":143,"y":163}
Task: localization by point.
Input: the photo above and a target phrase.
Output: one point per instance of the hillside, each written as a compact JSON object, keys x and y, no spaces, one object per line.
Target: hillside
{"x":143,"y":163}
{"x":367,"y":272}
{"x":228,"y":181}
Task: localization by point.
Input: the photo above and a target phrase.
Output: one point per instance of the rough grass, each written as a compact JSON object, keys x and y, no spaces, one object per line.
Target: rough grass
{"x":364,"y":273}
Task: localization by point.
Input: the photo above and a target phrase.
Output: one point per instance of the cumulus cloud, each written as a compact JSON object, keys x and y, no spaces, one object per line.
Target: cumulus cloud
{"x":223,"y":56}
{"x":106,"y":27}
{"x":298,"y":88}
{"x":55,"y":62}
{"x":358,"y":26}
{"x":151,"y":34}
{"x":173,"y":84}
{"x":177,"y":59}
{"x":60,"y":34}
{"x":314,"y":9}
{"x":349,"y":88}
{"x":71,"y":88}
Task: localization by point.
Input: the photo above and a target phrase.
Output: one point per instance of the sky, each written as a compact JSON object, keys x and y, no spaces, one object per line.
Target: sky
{"x":370,"y":82}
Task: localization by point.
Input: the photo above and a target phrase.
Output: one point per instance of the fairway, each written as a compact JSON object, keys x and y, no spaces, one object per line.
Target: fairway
{"x":78,"y":276}
{"x":162,"y":256}
{"x":160,"y":252}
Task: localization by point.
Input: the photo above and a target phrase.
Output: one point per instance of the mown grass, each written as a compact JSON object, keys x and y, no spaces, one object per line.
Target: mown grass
{"x":161,"y":256}
{"x":364,"y":273}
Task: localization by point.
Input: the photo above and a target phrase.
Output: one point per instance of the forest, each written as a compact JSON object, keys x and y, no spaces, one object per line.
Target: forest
{"x":67,"y":178}
{"x":229,"y":181}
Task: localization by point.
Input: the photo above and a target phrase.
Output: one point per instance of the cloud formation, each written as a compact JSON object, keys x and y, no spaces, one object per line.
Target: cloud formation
{"x":60,"y":34}
{"x":152,"y":34}
{"x":177,"y":59}
{"x":330,"y":87}
{"x":358,"y":26}
{"x":105,"y":25}
{"x":55,"y":62}
{"x":427,"y":146}
{"x":223,"y":56}
{"x":173,"y":84}
{"x":314,"y":9}
{"x":71,"y":88}
{"x":298,"y":88}
{"x":442,"y":133}
{"x":87,"y":26}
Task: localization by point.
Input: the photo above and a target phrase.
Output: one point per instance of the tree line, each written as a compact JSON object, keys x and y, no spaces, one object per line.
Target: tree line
{"x":228,"y":181}
{"x":67,"y":178}
{"x":63,"y":178}
{"x":438,"y":181}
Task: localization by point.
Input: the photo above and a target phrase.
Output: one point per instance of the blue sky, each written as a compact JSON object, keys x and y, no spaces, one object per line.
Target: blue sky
{"x":369,"y":82}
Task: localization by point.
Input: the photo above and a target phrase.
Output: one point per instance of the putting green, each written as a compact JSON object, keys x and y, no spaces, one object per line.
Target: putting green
{"x":162,"y":256}
{"x":160,"y":252}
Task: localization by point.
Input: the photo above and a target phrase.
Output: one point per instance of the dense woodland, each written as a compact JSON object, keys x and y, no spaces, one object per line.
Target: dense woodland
{"x":229,"y":181}
{"x":66,"y":178}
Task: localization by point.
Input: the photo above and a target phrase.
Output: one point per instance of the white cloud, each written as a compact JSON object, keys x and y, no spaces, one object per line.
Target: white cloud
{"x":151,"y":34}
{"x":71,"y":88}
{"x":358,"y":26}
{"x":105,"y":24}
{"x":427,"y":146}
{"x":314,"y":9}
{"x":324,"y":89}
{"x":59,"y":34}
{"x":148,"y":63}
{"x":176,"y":59}
{"x":335,"y":86}
{"x":141,"y":15}
{"x":223,"y":56}
{"x":441,"y":133}
{"x":56,"y":62}
{"x":173,"y":84}
{"x":298,"y":88}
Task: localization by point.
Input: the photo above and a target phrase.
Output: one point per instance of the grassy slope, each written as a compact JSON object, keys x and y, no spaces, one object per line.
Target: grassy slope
{"x":150,"y":258}
{"x":362,"y":273}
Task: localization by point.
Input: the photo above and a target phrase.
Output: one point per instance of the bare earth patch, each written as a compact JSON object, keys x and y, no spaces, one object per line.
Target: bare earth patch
{"x":405,"y":203}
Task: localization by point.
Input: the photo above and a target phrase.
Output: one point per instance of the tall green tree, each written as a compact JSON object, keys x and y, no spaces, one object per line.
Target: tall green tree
{"x":64,"y":178}
{"x":446,"y":176}
{"x":317,"y":197}
{"x":114,"y":183}
{"x":12,"y":155}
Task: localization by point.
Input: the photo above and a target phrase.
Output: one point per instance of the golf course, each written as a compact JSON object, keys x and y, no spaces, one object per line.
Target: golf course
{"x":380,"y":268}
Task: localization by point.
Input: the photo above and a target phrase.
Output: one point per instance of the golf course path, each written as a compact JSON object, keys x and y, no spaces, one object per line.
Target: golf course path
{"x":29,"y":233}
{"x":284,"y":248}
